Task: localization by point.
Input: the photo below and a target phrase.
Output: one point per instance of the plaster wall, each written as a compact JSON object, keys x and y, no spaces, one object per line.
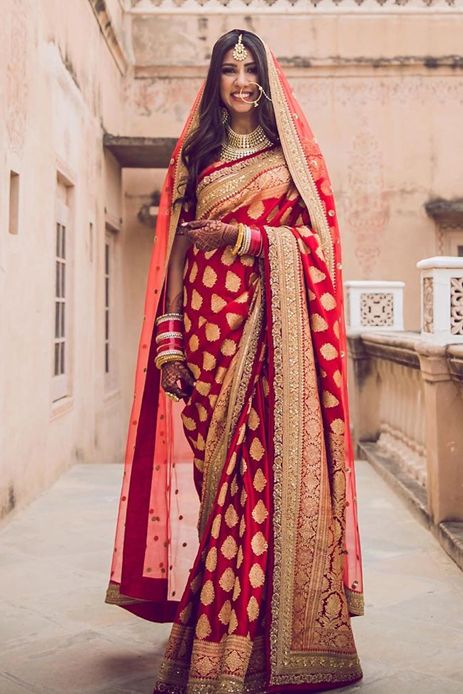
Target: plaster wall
{"x":59,"y":94}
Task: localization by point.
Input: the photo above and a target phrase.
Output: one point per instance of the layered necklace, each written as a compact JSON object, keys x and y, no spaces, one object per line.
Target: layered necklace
{"x":237,"y":145}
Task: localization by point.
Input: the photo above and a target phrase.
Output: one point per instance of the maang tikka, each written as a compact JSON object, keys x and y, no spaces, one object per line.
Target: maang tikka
{"x":239,"y":51}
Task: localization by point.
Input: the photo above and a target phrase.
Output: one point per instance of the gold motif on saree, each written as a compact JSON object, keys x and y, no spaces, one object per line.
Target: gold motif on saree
{"x":252,"y":609}
{"x":227,"y":580}
{"x":231,"y":516}
{"x":217,"y":303}
{"x":207,"y":593}
{"x":211,"y":559}
{"x":256,"y":449}
{"x":229,"y":547}
{"x":256,"y":576}
{"x":259,"y":481}
{"x":209,"y":277}
{"x":259,"y":544}
{"x":212,"y":332}
{"x":259,"y":512}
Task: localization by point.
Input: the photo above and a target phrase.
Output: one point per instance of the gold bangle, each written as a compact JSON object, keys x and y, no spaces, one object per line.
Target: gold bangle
{"x":167,"y":357}
{"x":239,"y":239}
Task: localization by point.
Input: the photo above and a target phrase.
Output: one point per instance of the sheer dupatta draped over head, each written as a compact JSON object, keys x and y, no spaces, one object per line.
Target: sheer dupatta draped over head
{"x":156,"y":537}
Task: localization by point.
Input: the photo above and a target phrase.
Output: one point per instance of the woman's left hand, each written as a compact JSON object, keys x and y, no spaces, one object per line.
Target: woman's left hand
{"x":210,"y":233}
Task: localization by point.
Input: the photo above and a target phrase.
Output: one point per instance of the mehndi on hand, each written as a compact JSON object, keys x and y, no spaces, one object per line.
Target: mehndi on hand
{"x":210,"y":233}
{"x":174,"y":372}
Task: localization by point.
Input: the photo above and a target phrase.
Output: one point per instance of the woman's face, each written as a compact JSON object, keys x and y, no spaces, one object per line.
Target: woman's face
{"x":237,"y":75}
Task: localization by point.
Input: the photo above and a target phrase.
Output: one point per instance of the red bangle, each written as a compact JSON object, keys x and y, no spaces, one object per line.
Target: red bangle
{"x":255,"y":246}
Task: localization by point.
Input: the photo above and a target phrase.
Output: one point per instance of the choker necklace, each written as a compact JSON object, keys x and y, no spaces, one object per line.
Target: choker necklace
{"x":237,"y":145}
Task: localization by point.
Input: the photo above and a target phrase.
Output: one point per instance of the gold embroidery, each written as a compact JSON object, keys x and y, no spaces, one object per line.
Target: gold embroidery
{"x":195,"y":370}
{"x":232,"y":281}
{"x":228,"y":347}
{"x":196,"y":300}
{"x":203,"y":627}
{"x":227,"y":580}
{"x":256,"y":449}
{"x":256,"y":576}
{"x":209,"y":361}
{"x":211,"y":559}
{"x":185,"y":614}
{"x":217,"y":303}
{"x":259,"y":543}
{"x":222,"y":494}
{"x":236,"y":589}
{"x":234,"y":320}
{"x":239,"y":558}
{"x":253,"y":420}
{"x":259,"y":481}
{"x":243,"y":497}
{"x":329,"y":400}
{"x":207,"y":593}
{"x":193,"y":271}
{"x":231,"y":516}
{"x":187,"y":322}
{"x":229,"y":547}
{"x":337,"y":426}
{"x":259,"y":513}
{"x":209,"y":277}
{"x":328,"y":351}
{"x":228,"y":258}
{"x":200,"y":443}
{"x":202,"y":412}
{"x":215,"y":529}
{"x":193,"y":343}
{"x":328,"y":301}
{"x":189,"y":423}
{"x":318,"y":323}
{"x":224,"y":614}
{"x":232,"y":464}
{"x":234,"y":486}
{"x":256,"y":210}
{"x":242,"y":526}
{"x":316,"y":274}
{"x":212,"y":332}
{"x":233,"y":623}
{"x":337,"y":378}
{"x":252,"y":609}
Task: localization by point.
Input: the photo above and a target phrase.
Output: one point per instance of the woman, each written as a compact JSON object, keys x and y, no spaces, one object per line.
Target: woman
{"x":244,"y":326}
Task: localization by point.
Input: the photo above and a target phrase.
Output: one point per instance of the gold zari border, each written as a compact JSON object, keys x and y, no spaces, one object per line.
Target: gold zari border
{"x":326,"y":652}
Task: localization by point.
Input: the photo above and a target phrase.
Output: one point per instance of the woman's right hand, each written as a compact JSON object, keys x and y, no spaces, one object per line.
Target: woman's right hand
{"x":171,"y":373}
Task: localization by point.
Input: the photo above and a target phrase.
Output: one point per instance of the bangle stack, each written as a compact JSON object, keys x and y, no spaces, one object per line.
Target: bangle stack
{"x":169,"y":339}
{"x":248,"y":241}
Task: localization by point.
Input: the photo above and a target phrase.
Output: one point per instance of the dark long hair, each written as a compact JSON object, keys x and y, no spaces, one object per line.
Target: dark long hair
{"x":202,"y":147}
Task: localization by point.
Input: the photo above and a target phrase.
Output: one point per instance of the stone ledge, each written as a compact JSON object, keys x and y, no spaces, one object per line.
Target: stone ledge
{"x":406,"y":487}
{"x":448,"y":533}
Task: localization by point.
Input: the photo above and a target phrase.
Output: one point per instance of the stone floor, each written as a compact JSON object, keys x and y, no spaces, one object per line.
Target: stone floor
{"x":57,"y":635}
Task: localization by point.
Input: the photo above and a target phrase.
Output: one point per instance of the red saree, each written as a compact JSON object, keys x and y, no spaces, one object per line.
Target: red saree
{"x":265,"y":600}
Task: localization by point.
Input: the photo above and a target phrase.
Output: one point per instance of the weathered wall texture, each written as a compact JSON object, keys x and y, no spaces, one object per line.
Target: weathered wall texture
{"x":61,"y":88}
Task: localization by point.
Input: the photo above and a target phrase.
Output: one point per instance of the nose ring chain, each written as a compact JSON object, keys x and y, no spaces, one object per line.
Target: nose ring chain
{"x":261,"y":92}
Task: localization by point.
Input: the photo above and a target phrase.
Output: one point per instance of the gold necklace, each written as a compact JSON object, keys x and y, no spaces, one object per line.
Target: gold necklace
{"x":238,"y":145}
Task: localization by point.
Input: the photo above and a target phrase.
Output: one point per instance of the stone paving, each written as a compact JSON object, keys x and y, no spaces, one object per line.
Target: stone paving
{"x":57,"y":635}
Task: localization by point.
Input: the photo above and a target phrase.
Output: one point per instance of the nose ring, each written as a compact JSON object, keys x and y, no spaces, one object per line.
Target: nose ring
{"x":256,"y":101}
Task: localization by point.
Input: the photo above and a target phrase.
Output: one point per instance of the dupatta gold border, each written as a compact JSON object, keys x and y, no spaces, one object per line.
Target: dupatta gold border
{"x":298,"y":164}
{"x":290,"y":666}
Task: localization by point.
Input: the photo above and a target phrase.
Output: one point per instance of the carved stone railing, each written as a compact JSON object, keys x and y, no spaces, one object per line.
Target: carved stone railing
{"x":407,"y":407}
{"x":442,"y":298}
{"x":374,"y":305}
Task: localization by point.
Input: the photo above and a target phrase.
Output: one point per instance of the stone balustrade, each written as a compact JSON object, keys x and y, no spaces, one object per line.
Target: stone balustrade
{"x":374,"y":305}
{"x":442,"y":298}
{"x":406,"y":397}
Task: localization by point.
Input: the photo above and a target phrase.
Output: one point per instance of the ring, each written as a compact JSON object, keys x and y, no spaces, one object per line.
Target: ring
{"x":172,"y":396}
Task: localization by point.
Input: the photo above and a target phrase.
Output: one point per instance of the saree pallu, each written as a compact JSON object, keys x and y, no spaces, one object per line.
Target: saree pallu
{"x":265,"y":607}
